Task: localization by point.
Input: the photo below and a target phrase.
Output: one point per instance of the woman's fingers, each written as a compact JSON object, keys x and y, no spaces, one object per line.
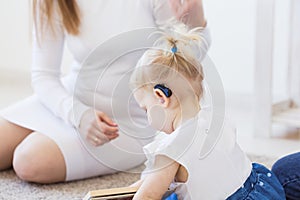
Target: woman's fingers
{"x":108,"y":130}
{"x":189,"y":12}
{"x":176,"y":7}
{"x":97,"y":138}
{"x":106,"y":125}
{"x":100,"y":139}
{"x":104,"y":132}
{"x":98,"y":128}
{"x":109,"y":136}
{"x":106,"y":119}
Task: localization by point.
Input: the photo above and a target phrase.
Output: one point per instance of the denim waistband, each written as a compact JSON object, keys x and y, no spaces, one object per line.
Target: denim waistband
{"x":248,"y":185}
{"x":261,"y":184}
{"x":251,"y":180}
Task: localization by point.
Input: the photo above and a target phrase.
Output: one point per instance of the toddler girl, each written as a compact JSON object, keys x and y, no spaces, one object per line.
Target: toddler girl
{"x":167,"y":84}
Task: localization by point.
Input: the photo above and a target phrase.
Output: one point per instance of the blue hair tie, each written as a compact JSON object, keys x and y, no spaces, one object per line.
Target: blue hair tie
{"x":174,"y":49}
{"x":164,"y":89}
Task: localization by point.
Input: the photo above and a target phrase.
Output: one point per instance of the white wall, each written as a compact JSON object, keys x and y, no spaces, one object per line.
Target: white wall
{"x":232,"y":24}
{"x":14,"y":35}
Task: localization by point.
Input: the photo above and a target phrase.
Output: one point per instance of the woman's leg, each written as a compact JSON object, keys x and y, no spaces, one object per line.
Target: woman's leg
{"x":39,"y":159}
{"x":10,"y":137}
{"x":287,"y":169}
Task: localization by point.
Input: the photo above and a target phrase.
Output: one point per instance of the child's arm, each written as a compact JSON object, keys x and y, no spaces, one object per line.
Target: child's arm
{"x":155,"y":184}
{"x":137,"y":184}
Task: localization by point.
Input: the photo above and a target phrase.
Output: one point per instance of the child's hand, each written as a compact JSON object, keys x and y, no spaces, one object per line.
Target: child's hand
{"x":157,"y":182}
{"x":97,"y":127}
{"x":189,"y":12}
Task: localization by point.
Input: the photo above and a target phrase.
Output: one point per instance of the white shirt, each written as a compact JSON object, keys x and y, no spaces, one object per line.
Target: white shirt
{"x":213,"y":177}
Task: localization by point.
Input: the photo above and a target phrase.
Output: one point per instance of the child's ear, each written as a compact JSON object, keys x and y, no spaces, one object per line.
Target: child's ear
{"x":161,"y":97}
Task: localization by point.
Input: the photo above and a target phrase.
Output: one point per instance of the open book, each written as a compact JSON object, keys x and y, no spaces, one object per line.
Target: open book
{"x":123,"y":193}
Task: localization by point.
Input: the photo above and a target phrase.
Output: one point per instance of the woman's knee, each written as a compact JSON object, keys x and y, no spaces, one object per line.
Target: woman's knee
{"x":37,"y":159}
{"x":25,"y":164}
{"x":10,"y":136}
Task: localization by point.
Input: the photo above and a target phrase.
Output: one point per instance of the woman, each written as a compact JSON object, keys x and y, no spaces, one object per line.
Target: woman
{"x":38,"y":135}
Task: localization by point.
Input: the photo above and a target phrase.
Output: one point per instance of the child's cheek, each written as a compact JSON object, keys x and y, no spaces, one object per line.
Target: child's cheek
{"x":157,"y":117}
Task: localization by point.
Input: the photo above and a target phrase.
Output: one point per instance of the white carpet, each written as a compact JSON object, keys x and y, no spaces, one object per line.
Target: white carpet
{"x":11,"y":187}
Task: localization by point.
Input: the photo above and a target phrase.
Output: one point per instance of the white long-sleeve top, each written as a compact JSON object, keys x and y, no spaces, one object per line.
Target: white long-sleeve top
{"x":100,"y":20}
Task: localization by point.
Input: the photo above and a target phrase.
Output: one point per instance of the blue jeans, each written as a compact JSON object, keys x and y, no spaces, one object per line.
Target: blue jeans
{"x":287,"y":169}
{"x":262,"y":184}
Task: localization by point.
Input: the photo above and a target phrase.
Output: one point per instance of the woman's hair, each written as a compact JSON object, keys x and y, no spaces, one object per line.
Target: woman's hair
{"x":68,"y":12}
{"x":173,"y":59}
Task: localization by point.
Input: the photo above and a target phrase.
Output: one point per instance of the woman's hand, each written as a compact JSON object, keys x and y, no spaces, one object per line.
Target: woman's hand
{"x":189,"y":12}
{"x":97,"y":127}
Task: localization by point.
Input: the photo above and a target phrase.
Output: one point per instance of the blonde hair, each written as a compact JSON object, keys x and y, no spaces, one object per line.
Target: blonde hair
{"x":67,"y":9}
{"x":173,"y":56}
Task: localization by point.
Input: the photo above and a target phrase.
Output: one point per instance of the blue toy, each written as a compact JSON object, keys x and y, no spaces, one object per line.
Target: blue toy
{"x":172,"y":196}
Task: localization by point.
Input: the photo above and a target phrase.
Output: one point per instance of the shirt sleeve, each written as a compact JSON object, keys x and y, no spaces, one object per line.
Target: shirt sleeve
{"x":46,"y":73}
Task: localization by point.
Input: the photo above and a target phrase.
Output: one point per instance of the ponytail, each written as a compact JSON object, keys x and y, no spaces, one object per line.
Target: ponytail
{"x":173,"y":52}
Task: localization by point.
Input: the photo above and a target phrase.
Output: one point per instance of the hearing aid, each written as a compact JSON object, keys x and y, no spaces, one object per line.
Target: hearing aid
{"x":164,"y":89}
